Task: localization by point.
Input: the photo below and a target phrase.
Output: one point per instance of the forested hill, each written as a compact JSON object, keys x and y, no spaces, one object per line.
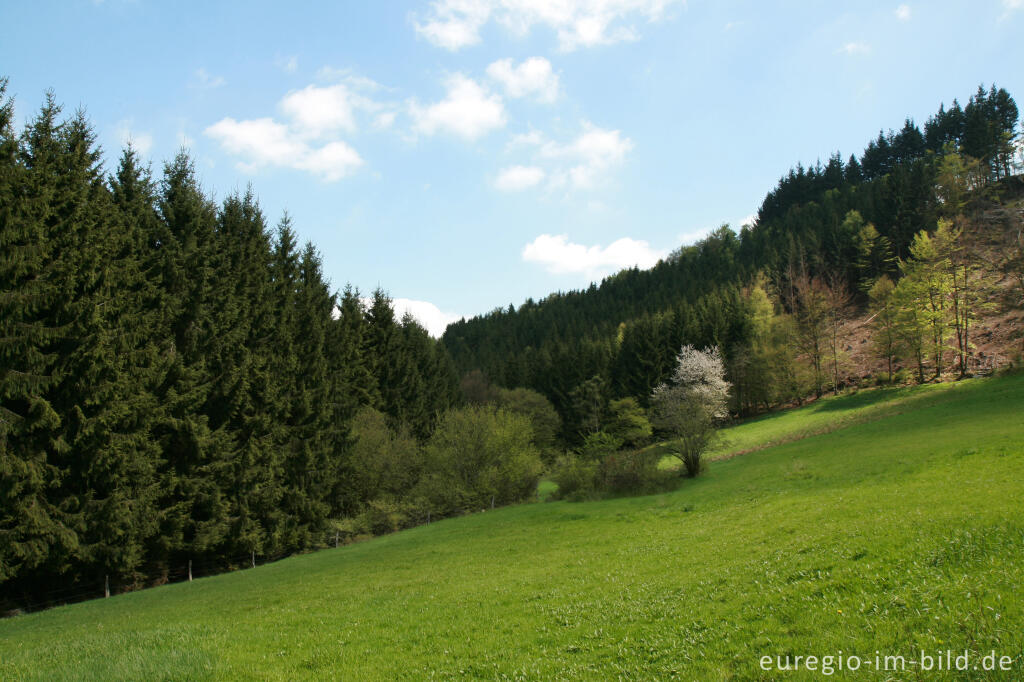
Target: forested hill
{"x":177,"y":382}
{"x":848,"y":222}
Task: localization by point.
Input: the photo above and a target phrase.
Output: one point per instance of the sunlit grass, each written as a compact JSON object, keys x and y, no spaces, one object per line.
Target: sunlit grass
{"x":896,"y":533}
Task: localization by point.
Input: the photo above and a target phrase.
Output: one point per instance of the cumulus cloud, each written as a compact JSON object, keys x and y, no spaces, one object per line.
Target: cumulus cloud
{"x":560,"y":256}
{"x":468,"y":110}
{"x":454,"y":24}
{"x":317,"y":110}
{"x":590,"y":155}
{"x":580,"y":164}
{"x":518,"y":178}
{"x":265,"y":142}
{"x":309,"y":136}
{"x":854,"y":48}
{"x":903,"y":12}
{"x":534,"y":76}
{"x":433,"y":319}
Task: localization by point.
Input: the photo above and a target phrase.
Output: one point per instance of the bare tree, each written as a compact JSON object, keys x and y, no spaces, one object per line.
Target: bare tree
{"x":692,"y":404}
{"x":837,"y":301}
{"x":808,"y":301}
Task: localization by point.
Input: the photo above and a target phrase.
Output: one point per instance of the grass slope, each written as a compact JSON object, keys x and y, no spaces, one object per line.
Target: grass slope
{"x":897,"y":533}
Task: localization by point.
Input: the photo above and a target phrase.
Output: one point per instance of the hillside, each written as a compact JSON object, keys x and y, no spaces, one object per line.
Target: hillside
{"x":900,"y":532}
{"x":838,"y":227}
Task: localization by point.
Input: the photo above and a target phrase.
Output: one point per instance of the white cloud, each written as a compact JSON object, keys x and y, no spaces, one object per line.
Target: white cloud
{"x":332,"y":162}
{"x":518,"y":178}
{"x":309,"y":137}
{"x":534,"y":76}
{"x":141,"y":142}
{"x":384,"y":120}
{"x":560,"y":256}
{"x":206,"y":80}
{"x":581,"y":164}
{"x":433,"y":319}
{"x":1013,"y":4}
{"x":468,"y":110}
{"x":530,"y":139}
{"x":903,"y":12}
{"x":855,"y":48}
{"x":592,"y":153}
{"x":265,"y":142}
{"x":454,"y":24}
{"x":349,"y":78}
{"x":317,"y":111}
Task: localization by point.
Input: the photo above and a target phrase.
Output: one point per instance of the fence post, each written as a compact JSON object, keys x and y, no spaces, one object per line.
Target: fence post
{"x":190,"y":570}
{"x":492,"y":501}
{"x":106,"y":586}
{"x":336,"y":534}
{"x":254,"y":558}
{"x":428,"y":516}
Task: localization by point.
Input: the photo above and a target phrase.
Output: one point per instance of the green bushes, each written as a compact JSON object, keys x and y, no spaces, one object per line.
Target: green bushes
{"x":632,"y":472}
{"x":621,"y":472}
{"x":477,"y":457}
{"x":575,"y":477}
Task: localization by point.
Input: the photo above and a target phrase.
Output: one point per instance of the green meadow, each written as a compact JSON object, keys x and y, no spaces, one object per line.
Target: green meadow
{"x":886,"y":522}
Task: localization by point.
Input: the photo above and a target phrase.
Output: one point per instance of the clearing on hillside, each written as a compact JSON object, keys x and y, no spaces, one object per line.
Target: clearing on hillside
{"x":900,"y":532}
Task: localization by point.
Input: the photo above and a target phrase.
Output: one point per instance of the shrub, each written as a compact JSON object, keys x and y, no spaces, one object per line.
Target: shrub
{"x":384,"y":515}
{"x":477,"y":455}
{"x":575,"y":477}
{"x":633,"y":471}
{"x":628,"y":422}
{"x":596,"y":446}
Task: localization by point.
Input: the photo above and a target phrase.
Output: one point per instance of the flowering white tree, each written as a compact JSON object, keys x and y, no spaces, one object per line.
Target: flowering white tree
{"x":692,"y":404}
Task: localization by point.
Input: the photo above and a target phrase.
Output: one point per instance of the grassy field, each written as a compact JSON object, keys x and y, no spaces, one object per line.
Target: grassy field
{"x":900,"y":531}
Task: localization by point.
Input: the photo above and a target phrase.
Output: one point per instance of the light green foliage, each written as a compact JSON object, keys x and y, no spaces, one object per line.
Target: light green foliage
{"x":544,"y":420}
{"x":957,"y":176}
{"x":476,"y":457}
{"x":596,"y":446}
{"x":898,"y":534}
{"x":382,"y":462}
{"x":923,"y":297}
{"x":575,"y":477}
{"x":884,"y":321}
{"x":627,"y":421}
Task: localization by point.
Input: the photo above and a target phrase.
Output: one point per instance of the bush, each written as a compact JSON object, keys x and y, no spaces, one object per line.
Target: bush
{"x":902,"y":376}
{"x":633,"y":471}
{"x":575,"y":477}
{"x":599,"y":445}
{"x":628,"y":422}
{"x":384,"y":515}
{"x":477,"y":455}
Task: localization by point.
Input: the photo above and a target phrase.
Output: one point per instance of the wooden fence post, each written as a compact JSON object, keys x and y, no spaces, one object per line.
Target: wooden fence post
{"x":254,"y":558}
{"x":106,"y":586}
{"x":190,"y":570}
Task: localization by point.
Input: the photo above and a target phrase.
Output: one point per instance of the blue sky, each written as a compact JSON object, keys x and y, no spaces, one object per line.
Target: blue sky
{"x":465,"y":154}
